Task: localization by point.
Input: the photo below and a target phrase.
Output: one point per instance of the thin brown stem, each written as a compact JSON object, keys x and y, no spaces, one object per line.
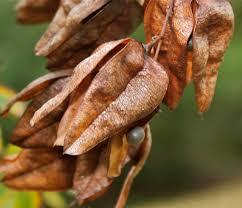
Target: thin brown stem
{"x":126,"y":188}
{"x":148,"y":46}
{"x":157,"y":50}
{"x":135,"y":169}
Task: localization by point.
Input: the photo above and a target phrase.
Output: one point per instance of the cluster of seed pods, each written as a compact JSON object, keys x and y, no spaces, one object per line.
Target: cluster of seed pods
{"x":89,"y":117}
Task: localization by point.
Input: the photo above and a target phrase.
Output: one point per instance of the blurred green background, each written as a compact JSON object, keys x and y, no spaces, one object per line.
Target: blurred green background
{"x":189,"y":154}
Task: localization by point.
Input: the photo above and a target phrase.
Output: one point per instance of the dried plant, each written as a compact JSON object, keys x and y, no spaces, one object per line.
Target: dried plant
{"x":36,"y":11}
{"x":96,"y":106}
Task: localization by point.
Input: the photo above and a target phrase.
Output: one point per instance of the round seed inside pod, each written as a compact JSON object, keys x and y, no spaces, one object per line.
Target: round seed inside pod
{"x":136,"y":135}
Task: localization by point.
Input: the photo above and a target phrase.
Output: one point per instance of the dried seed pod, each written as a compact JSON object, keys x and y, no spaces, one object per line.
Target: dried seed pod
{"x":97,"y":168}
{"x":115,"y":97}
{"x":26,"y":161}
{"x":39,"y":169}
{"x":107,"y":85}
{"x":109,"y":82}
{"x":114,"y":20}
{"x":93,"y":26}
{"x":44,"y":138}
{"x":129,"y":107}
{"x":173,"y":54}
{"x":66,"y":23}
{"x":88,"y":66}
{"x":24,"y":129}
{"x":40,"y":91}
{"x":118,"y":148}
{"x":49,"y":170}
{"x":36,"y":11}
{"x":91,"y":179}
{"x":71,"y":111}
{"x":213,"y":31}
{"x":35,"y":88}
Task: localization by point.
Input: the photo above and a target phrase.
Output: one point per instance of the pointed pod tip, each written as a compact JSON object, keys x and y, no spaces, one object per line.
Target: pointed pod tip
{"x":37,"y":49}
{"x":203,"y":105}
{"x":200,"y":115}
{"x":59,"y":142}
{"x":40,"y":52}
{"x":72,"y":150}
{"x":37,"y":53}
{"x":32,"y":122}
{"x":36,"y":118}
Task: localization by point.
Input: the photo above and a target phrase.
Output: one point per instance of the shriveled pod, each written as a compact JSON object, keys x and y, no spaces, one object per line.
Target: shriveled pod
{"x":115,"y":20}
{"x":213,"y":30}
{"x":98,"y":168}
{"x":38,"y":170}
{"x":39,"y":91}
{"x":90,"y":174}
{"x":91,"y":179}
{"x":126,"y":87}
{"x":69,"y":19}
{"x":173,"y":53}
{"x":43,"y":138}
{"x":36,"y":11}
{"x":72,"y":36}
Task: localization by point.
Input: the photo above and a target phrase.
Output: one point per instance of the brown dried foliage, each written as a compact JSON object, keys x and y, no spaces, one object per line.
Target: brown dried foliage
{"x":173,"y":54}
{"x":66,"y":43}
{"x":209,"y":25}
{"x":101,"y":100}
{"x":40,"y":91}
{"x":87,"y":107}
{"x":38,"y":169}
{"x":213,"y":30}
{"x":36,"y":11}
{"x":113,"y":101}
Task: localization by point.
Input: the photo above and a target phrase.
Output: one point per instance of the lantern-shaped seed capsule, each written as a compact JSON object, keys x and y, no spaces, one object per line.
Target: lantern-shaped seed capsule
{"x":136,"y":135}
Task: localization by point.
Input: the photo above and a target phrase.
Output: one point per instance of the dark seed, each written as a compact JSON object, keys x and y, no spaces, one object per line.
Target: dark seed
{"x":136,"y":135}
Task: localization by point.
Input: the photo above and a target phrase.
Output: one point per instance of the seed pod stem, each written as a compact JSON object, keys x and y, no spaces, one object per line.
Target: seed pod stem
{"x":159,"y":37}
{"x":135,"y":169}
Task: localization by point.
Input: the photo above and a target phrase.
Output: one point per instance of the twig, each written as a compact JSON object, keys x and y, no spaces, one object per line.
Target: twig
{"x":159,"y":37}
{"x":133,"y":172}
{"x":157,"y":50}
{"x":126,"y":188}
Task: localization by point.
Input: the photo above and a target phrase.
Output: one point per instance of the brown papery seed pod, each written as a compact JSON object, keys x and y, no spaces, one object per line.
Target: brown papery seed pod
{"x":173,"y":53}
{"x":72,"y":37}
{"x":213,"y":31}
{"x":39,"y":91}
{"x":36,"y":11}
{"x":122,"y":77}
{"x":38,"y":170}
{"x":116,"y":26}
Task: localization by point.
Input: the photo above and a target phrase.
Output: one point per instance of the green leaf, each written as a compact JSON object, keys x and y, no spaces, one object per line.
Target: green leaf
{"x":53,"y":200}
{"x":14,"y":199}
